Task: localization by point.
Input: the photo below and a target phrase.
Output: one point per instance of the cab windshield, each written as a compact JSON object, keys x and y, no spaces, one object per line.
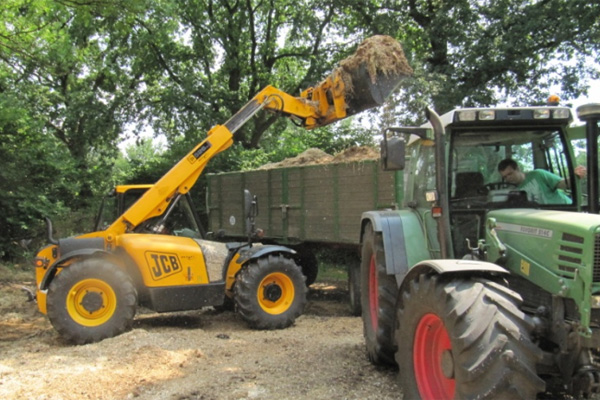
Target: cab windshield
{"x":475,"y":156}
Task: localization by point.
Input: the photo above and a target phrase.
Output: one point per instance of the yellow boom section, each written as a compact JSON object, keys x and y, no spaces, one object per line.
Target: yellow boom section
{"x":363,"y":81}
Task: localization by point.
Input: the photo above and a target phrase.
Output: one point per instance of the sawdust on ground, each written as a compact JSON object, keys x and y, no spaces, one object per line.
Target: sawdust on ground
{"x":193,"y":355}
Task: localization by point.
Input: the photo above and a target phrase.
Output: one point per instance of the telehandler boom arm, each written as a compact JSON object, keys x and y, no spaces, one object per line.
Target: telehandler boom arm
{"x":329,"y":101}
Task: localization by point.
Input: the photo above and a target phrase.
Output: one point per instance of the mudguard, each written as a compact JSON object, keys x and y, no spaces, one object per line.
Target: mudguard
{"x":454,"y":266}
{"x":404,"y":240}
{"x":241,"y":255}
{"x":51,"y":272}
{"x":254,"y":252}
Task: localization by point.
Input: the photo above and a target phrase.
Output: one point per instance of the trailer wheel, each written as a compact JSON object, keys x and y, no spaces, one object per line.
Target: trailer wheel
{"x":354,"y":289}
{"x":309,"y":264}
{"x":464,"y":338}
{"x":270,"y":293}
{"x":378,"y":292}
{"x":91,"y":300}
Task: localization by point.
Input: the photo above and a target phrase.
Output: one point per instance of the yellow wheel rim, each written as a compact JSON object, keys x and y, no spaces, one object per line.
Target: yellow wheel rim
{"x":91,"y":302}
{"x":276,"y":293}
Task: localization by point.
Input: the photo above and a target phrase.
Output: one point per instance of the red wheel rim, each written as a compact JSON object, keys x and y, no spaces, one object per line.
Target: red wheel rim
{"x":373,"y":294}
{"x":431,"y":344}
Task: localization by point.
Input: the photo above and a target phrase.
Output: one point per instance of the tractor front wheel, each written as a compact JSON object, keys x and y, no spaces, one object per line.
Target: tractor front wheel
{"x":91,"y":300}
{"x":270,"y":293}
{"x":464,"y":338}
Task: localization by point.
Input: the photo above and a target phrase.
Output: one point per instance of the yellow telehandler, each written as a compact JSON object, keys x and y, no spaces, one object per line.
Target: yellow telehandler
{"x":90,"y":285}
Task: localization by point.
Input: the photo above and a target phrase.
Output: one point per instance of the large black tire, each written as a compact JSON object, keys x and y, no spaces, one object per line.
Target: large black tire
{"x":270,"y":293}
{"x":354,"y":289}
{"x":378,"y":292}
{"x":309,"y":264}
{"x":464,"y":338}
{"x":91,"y":300}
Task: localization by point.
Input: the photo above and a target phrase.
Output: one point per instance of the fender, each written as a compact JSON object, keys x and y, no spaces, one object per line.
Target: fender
{"x":251,"y":253}
{"x":237,"y":258}
{"x":51,"y":272}
{"x":452,"y":267}
{"x":404,"y":241}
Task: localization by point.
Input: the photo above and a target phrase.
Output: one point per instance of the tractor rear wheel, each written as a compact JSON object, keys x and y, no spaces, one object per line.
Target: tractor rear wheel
{"x":270,"y":293}
{"x":91,"y":300}
{"x":378,"y":292}
{"x":464,"y":338}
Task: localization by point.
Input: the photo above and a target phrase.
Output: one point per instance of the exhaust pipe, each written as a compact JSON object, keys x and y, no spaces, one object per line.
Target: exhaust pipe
{"x":51,"y":239}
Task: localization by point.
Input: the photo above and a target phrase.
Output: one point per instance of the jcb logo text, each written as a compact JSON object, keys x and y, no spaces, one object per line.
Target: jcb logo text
{"x":162,"y":264}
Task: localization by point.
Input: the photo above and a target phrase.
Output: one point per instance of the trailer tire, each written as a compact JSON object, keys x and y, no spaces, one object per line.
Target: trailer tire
{"x":270,"y":293}
{"x":309,"y":264}
{"x":378,"y":298}
{"x":464,"y":338}
{"x":354,"y":289}
{"x":91,"y":300}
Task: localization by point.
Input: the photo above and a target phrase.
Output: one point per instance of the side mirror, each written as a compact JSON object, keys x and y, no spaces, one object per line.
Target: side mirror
{"x":393,"y":148}
{"x":393,"y":156}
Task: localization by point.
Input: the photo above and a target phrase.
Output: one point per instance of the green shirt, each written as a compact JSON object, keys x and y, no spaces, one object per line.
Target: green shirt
{"x":541,"y":187}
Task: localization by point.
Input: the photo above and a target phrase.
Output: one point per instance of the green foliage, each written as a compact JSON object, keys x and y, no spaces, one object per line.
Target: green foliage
{"x":481,"y":53}
{"x":75,"y":76}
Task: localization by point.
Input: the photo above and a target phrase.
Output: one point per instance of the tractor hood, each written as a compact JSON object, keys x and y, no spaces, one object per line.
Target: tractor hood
{"x":557,"y":251}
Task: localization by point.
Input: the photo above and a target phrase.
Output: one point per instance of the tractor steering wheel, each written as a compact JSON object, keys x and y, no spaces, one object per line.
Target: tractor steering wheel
{"x":499,"y":185}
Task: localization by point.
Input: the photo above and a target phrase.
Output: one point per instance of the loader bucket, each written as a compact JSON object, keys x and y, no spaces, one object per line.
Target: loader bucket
{"x":368,"y":94}
{"x":372,"y":73}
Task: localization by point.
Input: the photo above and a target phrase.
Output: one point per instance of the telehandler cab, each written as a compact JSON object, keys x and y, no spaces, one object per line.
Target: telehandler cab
{"x":90,"y":285}
{"x":474,"y":288}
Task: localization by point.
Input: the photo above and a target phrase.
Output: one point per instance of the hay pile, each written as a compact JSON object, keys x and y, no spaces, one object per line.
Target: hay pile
{"x":356,"y":153}
{"x":319,"y":157}
{"x":381,"y":55}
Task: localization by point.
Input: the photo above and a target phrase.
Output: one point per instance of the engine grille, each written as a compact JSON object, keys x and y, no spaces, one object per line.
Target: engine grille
{"x":570,"y":253}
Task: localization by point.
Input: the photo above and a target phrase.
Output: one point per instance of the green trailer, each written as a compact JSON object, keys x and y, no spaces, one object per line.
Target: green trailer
{"x":305,"y":207}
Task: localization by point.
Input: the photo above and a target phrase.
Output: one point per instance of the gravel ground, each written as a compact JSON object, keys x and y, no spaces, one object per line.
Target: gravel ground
{"x":193,"y":355}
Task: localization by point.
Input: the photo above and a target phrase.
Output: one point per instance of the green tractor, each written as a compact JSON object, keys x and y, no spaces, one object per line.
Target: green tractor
{"x":476,"y":287}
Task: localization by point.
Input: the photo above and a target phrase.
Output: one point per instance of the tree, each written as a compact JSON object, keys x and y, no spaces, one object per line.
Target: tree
{"x":482,"y":53}
{"x":73,"y":65}
{"x":74,"y":75}
{"x":221,"y":53}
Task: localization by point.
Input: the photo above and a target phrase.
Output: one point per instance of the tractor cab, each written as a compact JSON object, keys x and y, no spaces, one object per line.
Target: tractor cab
{"x":476,"y":140}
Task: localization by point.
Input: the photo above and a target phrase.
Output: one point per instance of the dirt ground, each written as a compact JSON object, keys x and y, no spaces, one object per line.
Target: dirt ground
{"x":193,"y":355}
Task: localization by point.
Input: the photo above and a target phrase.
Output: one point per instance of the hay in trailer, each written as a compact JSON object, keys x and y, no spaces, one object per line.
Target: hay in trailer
{"x":309,"y":157}
{"x":356,"y":153}
{"x":319,"y":157}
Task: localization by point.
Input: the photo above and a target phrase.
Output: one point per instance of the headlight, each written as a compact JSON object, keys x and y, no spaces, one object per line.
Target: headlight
{"x":541,"y":113}
{"x":561,"y":113}
{"x":487,"y":115}
{"x":468,"y":115}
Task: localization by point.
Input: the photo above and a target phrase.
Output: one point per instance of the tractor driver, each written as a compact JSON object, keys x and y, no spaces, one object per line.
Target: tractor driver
{"x":542,"y":186}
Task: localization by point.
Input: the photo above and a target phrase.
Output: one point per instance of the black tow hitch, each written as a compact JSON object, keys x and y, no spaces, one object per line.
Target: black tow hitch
{"x":29,"y":293}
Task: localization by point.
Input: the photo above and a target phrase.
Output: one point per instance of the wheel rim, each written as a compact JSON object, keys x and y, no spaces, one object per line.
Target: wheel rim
{"x":276,"y":293}
{"x":432,"y":357}
{"x":373,"y":293}
{"x":91,"y":302}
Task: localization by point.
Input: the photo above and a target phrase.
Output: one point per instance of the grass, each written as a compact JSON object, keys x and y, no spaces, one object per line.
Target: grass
{"x":334,"y":263}
{"x":16,"y":273}
{"x":332,"y":272}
